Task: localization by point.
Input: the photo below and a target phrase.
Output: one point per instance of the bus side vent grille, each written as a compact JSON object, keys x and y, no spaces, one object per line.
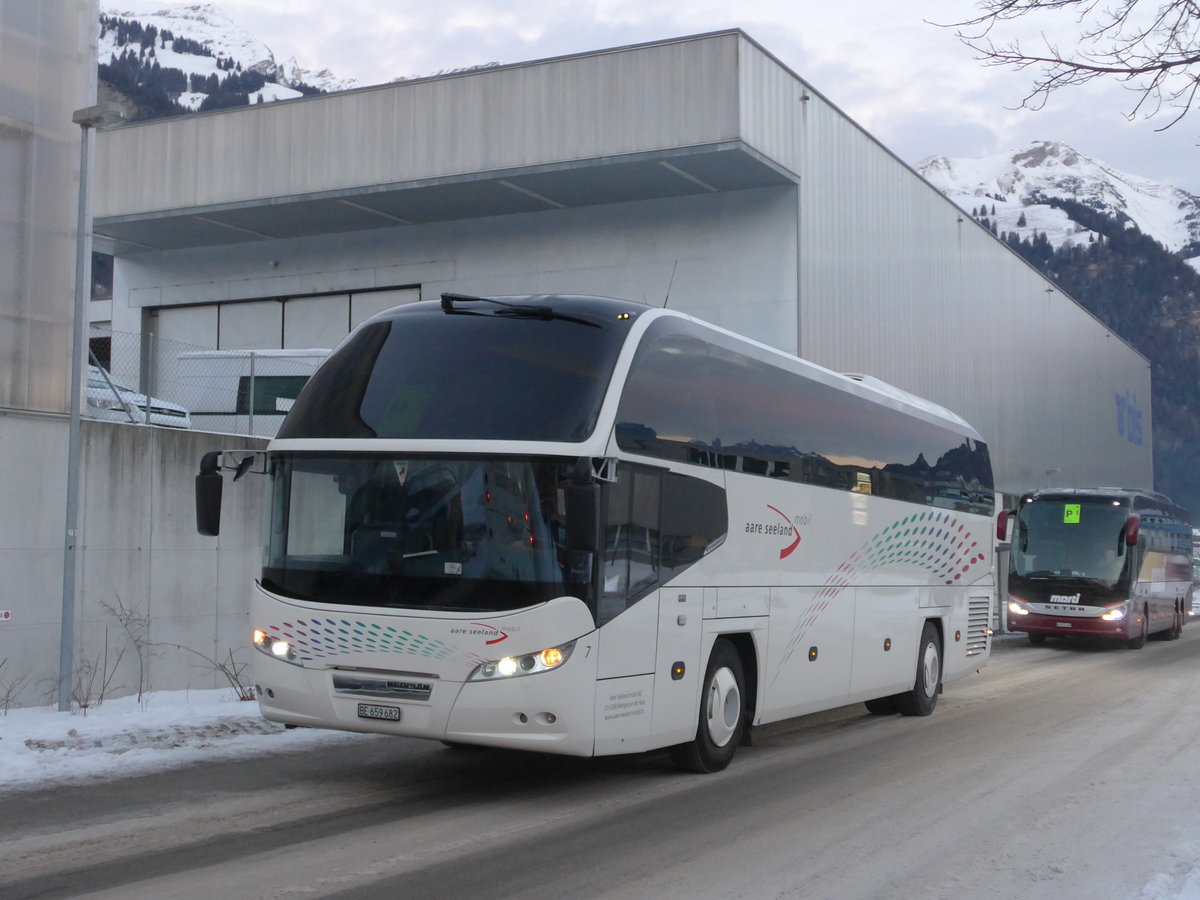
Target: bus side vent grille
{"x":979,"y":615}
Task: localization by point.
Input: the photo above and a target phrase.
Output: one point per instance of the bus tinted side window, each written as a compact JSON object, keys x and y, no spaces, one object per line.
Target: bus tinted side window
{"x":693,"y":401}
{"x":656,"y":525}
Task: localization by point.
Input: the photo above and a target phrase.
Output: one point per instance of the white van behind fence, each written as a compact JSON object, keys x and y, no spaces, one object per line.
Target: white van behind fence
{"x":244,"y":391}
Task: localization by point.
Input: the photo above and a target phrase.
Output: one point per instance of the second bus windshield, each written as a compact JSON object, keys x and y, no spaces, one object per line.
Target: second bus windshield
{"x":1071,"y":537}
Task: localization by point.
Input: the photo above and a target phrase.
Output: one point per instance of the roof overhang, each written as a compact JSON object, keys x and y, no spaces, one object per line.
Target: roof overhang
{"x":646,"y":176}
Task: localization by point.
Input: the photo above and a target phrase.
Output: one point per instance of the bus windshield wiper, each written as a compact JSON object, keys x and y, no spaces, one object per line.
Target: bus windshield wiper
{"x":516,"y":310}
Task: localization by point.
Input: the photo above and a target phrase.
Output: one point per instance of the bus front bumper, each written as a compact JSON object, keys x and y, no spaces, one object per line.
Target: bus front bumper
{"x":550,"y":712}
{"x":1079,"y":626}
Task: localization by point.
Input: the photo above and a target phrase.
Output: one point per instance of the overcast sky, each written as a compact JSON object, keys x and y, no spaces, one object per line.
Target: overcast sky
{"x":912,"y":84}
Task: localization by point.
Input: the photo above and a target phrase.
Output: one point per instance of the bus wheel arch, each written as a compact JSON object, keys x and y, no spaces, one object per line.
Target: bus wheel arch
{"x":1138,"y":642}
{"x":921,"y":700}
{"x":722,"y":712}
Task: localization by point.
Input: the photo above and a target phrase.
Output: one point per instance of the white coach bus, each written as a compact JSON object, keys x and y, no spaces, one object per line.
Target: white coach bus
{"x":587,"y":526}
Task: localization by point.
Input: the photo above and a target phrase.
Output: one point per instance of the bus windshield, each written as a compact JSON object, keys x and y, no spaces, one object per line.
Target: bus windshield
{"x":454,"y":534}
{"x":1075,"y":537}
{"x":479,"y":374}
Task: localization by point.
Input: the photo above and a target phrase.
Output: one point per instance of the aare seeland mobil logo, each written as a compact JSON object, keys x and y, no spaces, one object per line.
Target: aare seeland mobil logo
{"x":490,"y":633}
{"x":783,"y":527}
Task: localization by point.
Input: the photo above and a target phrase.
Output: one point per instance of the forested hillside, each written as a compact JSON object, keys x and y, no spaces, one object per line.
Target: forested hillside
{"x":1151,"y":299}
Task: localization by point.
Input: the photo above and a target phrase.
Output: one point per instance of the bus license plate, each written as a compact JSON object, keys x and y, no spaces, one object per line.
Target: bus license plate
{"x":370,"y":711}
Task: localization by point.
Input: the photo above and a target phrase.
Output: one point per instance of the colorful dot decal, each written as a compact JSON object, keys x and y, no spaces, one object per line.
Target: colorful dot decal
{"x":934,"y":541}
{"x":317,"y":639}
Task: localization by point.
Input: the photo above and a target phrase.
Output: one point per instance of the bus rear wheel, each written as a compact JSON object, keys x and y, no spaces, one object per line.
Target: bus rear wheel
{"x":722,"y":714}
{"x":922,"y":699}
{"x":1176,"y":631}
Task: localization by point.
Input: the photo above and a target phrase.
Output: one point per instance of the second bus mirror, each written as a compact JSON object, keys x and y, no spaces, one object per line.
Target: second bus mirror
{"x":1002,"y":518}
{"x":1132,"y":529}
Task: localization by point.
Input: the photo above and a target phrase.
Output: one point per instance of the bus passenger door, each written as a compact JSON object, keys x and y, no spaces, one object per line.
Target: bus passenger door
{"x":628,"y":611}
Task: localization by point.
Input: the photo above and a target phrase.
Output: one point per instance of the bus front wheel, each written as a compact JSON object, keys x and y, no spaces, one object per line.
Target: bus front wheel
{"x":923,"y":697}
{"x":1137,"y":643}
{"x":722,"y":714}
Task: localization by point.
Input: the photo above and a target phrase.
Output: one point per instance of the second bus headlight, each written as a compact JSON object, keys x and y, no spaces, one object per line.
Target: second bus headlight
{"x":525,"y":664}
{"x":1115,"y":613}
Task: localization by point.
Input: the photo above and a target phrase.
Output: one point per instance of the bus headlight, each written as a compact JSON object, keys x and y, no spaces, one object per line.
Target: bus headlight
{"x":276,"y":647}
{"x":526,"y":664}
{"x":1115,"y":613}
{"x":1017,"y":607}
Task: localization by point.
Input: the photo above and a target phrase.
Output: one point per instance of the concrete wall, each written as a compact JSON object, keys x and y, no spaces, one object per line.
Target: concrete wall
{"x":139,"y":558}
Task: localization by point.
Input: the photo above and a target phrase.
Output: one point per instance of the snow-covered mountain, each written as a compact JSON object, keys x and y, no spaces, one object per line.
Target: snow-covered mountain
{"x":1016,"y":183}
{"x":204,"y":42}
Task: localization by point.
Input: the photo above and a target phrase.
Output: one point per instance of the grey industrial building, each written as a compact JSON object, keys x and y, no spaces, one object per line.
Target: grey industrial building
{"x":699,"y":173}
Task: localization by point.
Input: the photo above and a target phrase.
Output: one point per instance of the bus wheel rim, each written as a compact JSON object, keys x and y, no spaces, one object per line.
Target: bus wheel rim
{"x":723,"y":707}
{"x":932,"y":668}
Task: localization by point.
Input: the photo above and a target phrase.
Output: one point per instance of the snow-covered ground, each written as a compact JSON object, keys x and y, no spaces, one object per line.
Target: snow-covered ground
{"x":41,"y":747}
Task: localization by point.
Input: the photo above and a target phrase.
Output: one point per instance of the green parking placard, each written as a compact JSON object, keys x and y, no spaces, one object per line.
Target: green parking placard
{"x":1070,"y":513}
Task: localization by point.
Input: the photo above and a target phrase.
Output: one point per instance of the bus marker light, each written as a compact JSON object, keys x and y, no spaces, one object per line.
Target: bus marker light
{"x":677,"y":670}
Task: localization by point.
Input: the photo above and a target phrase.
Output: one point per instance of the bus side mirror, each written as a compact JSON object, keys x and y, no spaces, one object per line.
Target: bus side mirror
{"x":1002,"y":518}
{"x":583,"y":515}
{"x":208,"y":495}
{"x":1132,"y":528}
{"x":583,"y":530}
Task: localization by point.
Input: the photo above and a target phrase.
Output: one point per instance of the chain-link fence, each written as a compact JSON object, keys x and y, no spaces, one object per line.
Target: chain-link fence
{"x":138,"y":378}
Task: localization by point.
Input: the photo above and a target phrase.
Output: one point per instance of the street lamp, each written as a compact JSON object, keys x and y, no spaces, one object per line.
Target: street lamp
{"x":90,"y":117}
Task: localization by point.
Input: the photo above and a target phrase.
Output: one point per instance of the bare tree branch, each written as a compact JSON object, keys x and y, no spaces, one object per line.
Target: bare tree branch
{"x":1153,"y":48}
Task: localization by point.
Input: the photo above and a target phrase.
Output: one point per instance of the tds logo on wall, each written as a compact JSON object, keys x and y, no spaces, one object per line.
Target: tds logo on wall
{"x":1129,"y":418}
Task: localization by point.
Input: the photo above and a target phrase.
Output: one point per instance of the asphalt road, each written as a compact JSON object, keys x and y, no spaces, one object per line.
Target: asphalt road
{"x":1062,"y":771}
